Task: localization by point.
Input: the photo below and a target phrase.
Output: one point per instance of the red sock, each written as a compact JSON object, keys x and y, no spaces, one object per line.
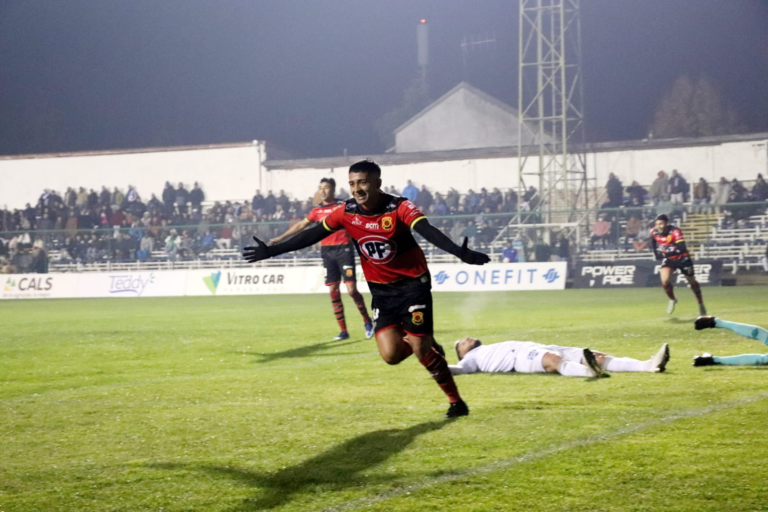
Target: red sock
{"x":360,"y":303}
{"x":670,"y":289}
{"x":338,"y":309}
{"x":438,"y":368}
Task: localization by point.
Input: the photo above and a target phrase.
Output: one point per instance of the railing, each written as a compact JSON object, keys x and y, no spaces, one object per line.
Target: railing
{"x":218,"y":245}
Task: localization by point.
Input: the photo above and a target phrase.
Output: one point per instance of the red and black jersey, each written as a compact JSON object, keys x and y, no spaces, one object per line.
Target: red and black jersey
{"x":388,"y":251}
{"x":669,"y":243}
{"x":321,"y":211}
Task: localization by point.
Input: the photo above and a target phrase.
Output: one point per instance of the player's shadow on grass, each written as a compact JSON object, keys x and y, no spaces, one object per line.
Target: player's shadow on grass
{"x":336,"y":469}
{"x":308,"y":350}
{"x":675,"y":320}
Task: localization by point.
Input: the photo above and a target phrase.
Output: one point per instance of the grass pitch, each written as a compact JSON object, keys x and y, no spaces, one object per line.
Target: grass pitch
{"x":241,"y":403}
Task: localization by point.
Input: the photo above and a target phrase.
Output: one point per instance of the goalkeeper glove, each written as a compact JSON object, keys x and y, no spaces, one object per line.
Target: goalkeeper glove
{"x":472,"y":257}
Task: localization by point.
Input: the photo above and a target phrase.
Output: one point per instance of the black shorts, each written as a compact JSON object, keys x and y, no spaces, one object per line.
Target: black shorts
{"x":339,"y":263}
{"x":410,"y":309}
{"x":684,"y":265}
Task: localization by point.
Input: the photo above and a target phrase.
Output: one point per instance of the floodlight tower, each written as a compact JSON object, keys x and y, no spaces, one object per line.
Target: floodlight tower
{"x":550,"y":108}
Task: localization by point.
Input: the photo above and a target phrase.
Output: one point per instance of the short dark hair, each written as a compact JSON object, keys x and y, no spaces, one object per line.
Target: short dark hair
{"x":367,"y":166}
{"x":662,"y":217}
{"x":330,"y":181}
{"x":456,"y":347}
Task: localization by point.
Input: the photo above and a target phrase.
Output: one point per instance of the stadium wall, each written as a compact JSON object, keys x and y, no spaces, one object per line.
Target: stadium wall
{"x":474,"y":169}
{"x":225,"y":172}
{"x":267,"y":281}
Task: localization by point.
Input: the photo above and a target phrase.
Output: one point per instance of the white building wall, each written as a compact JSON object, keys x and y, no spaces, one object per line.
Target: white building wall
{"x":462,"y":121}
{"x":223,"y":172}
{"x":741,"y":160}
{"x":235,"y":172}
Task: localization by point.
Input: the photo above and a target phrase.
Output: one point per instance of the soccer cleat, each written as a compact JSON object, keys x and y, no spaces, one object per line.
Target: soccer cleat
{"x":438,"y":347}
{"x":704,"y":359}
{"x":660,"y":359}
{"x":591,"y":361}
{"x":342,"y":336}
{"x":457,"y":409}
{"x":369,"y":332}
{"x":704,"y":322}
{"x":671,"y":306}
{"x":702,"y":310}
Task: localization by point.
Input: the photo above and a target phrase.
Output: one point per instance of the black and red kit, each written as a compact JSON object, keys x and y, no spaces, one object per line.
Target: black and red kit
{"x":336,"y":249}
{"x":393,"y":263}
{"x":669,"y":247}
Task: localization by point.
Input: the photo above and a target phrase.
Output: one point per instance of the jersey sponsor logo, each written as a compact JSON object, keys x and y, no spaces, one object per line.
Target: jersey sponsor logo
{"x":372,"y":225}
{"x":377,"y":249}
{"x":386,"y":223}
{"x":357,"y":221}
{"x":417,"y":317}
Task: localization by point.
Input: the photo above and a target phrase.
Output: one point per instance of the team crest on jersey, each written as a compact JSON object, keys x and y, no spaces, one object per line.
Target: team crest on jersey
{"x":417,"y":317}
{"x":669,"y":238}
{"x":377,"y":249}
{"x":386,"y":223}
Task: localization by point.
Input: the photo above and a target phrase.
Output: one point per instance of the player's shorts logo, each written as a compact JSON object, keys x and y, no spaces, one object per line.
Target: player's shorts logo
{"x":377,"y":249}
{"x":417,"y":317}
{"x":386,"y":223}
{"x":350,"y":272}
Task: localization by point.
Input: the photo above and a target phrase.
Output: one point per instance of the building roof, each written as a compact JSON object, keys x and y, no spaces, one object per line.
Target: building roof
{"x":442,"y":99}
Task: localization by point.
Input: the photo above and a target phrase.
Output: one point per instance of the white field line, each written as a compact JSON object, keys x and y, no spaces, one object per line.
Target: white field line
{"x":546,"y":452}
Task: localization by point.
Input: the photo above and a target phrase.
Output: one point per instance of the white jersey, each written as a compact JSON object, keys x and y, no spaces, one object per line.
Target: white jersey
{"x":510,"y":356}
{"x":499,"y":357}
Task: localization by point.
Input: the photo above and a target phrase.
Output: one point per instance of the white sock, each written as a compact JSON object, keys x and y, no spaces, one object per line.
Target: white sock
{"x":571,"y":369}
{"x":625,"y":364}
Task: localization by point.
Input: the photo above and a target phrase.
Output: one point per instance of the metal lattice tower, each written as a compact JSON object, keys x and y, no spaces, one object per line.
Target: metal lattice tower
{"x":550,"y":105}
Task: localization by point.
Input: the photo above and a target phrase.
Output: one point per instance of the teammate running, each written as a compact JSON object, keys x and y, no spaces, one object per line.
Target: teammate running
{"x":338,"y":258}
{"x":530,"y":357}
{"x":752,"y":332}
{"x":380,"y":224}
{"x":668,"y":246}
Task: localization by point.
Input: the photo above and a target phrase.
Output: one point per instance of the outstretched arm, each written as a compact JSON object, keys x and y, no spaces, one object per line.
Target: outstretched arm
{"x":291,"y":231}
{"x":262,"y":251}
{"x":440,"y":240}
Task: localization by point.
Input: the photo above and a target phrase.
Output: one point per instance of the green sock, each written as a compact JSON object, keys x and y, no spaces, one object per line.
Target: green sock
{"x":752,"y":332}
{"x":742,"y":360}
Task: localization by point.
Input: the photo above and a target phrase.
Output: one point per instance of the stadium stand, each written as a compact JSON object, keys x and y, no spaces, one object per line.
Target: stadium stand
{"x":108,"y":231}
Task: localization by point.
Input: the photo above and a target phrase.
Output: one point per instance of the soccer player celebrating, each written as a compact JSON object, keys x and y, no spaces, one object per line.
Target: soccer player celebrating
{"x":530,"y":357}
{"x":338,"y":258}
{"x":380,"y":225}
{"x":752,"y":332}
{"x":669,"y":247}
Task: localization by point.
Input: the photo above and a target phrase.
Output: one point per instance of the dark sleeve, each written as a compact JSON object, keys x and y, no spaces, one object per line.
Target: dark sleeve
{"x":436,"y":237}
{"x":656,"y":253}
{"x":300,"y":240}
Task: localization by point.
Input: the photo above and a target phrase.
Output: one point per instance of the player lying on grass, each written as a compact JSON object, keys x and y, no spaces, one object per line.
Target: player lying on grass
{"x":669,"y":247}
{"x":395,"y":267}
{"x":530,"y":357}
{"x":752,"y":332}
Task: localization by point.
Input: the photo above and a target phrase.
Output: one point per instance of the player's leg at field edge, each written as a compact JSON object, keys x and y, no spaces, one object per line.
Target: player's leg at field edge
{"x":695,"y":288}
{"x":394,"y":346}
{"x":742,"y":360}
{"x":752,"y":332}
{"x":358,"y":299}
{"x":665,"y":273}
{"x":338,"y":306}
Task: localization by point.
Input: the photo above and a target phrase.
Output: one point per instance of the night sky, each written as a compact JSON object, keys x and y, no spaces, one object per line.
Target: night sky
{"x":313,"y":76}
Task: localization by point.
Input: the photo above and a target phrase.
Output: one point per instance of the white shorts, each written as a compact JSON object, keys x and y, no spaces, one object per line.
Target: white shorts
{"x":573,"y":354}
{"x":529,"y":356}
